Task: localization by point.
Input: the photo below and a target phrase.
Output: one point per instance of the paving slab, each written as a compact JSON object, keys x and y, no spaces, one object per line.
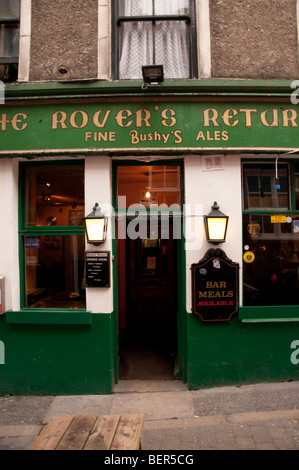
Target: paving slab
{"x":155,"y":405}
{"x":23,"y":409}
{"x":247,"y":417}
{"x":79,"y":405}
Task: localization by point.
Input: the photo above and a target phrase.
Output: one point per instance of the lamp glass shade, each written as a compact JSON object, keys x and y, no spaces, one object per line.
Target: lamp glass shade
{"x":216,"y":225}
{"x":96,"y":230}
{"x":96,"y":226}
{"x":216,"y":228}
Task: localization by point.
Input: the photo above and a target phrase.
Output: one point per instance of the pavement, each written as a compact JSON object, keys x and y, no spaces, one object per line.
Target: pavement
{"x":247,"y":417}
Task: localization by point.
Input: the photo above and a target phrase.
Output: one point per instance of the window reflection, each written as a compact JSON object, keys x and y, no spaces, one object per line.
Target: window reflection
{"x":54,"y":271}
{"x":259,"y":187}
{"x":54,"y":195}
{"x":149,"y":185}
{"x":271,"y":259}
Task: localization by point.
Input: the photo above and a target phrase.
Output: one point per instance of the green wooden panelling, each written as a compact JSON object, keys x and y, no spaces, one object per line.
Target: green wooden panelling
{"x":49,"y":317}
{"x":237,"y":353}
{"x":270,"y":313}
{"x":98,"y":88}
{"x":58,"y":359}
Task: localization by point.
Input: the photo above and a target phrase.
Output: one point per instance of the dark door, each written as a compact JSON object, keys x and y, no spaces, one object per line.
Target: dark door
{"x":151,"y":295}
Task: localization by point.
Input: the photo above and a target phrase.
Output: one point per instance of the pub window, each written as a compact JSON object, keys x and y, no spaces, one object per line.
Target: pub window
{"x":9,"y":39}
{"x":52,"y":236}
{"x":150,"y":185}
{"x":152,"y":32}
{"x":270,"y":234}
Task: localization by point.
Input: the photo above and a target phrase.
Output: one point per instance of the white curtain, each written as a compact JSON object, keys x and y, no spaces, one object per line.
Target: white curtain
{"x":142,"y":43}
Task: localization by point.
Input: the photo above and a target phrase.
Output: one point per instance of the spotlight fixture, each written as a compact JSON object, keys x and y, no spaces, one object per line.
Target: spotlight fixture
{"x":152,"y":74}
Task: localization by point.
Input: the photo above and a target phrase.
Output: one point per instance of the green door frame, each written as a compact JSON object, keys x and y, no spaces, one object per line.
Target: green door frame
{"x":180,"y":370}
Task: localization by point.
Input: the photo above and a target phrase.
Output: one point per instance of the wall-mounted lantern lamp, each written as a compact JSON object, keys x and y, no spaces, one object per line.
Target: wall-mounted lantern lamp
{"x":152,"y":74}
{"x":216,"y":225}
{"x":96,"y":226}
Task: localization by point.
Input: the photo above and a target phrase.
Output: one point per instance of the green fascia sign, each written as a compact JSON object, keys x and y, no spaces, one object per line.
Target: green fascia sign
{"x":148,"y":126}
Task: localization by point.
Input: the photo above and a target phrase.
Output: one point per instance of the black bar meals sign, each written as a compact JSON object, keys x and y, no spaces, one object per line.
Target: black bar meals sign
{"x":215,"y":287}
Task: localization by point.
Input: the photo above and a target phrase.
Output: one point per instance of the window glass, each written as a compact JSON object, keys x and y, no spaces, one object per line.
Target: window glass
{"x":53,"y":255}
{"x":153,"y":7}
{"x":146,"y":41}
{"x":271,"y":259}
{"x":148,"y":185}
{"x":54,"y":271}
{"x":9,"y":45}
{"x":10,"y":9}
{"x":54,"y":195}
{"x":260,"y":186}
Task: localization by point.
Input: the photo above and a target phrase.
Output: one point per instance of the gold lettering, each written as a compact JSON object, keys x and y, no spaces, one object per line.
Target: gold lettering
{"x":121,"y":116}
{"x":16,"y":120}
{"x":210,"y":114}
{"x":274,"y":122}
{"x":178,"y":137}
{"x":84,"y":119}
{"x":59,"y":117}
{"x":168,"y":115}
{"x":134,"y":137}
{"x":3,"y":122}
{"x":228,"y":115}
{"x":289,"y":119}
{"x":202,"y":294}
{"x":200,"y":135}
{"x":248,"y":115}
{"x":143,"y":115}
{"x":96,"y":116}
{"x":216,"y":285}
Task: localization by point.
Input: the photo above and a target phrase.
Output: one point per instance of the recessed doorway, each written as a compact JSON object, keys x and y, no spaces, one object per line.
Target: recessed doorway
{"x":147,"y":269}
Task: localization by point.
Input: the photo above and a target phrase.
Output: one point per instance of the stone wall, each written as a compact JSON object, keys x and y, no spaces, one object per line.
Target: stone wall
{"x":64,"y":40}
{"x":254,"y":39}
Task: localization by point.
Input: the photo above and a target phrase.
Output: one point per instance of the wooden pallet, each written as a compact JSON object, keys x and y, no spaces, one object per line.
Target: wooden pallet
{"x":88,"y":432}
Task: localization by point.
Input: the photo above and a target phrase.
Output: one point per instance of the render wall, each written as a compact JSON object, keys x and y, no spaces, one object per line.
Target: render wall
{"x":254,"y":39}
{"x":64,"y":40}
{"x":71,"y":40}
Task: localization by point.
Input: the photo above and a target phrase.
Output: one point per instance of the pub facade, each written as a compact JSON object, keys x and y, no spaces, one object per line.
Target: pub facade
{"x":160,"y":157}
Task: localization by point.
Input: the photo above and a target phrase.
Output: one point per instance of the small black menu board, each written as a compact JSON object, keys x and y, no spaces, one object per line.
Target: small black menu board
{"x":97,"y":265}
{"x":215,"y":287}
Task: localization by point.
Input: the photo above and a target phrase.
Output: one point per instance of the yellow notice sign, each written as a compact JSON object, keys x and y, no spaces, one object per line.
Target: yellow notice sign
{"x":278,"y":219}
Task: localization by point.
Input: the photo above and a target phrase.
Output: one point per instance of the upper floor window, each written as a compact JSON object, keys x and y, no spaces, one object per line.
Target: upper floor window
{"x":9,"y":39}
{"x":152,"y":32}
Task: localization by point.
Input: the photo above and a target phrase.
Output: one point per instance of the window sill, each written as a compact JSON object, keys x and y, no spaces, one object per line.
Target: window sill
{"x":48,"y":317}
{"x":269,"y":313}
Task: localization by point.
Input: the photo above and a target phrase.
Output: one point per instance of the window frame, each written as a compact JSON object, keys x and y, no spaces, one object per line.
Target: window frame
{"x":192,"y":35}
{"x":270,"y":313}
{"x":35,"y":230}
{"x":10,"y":73}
